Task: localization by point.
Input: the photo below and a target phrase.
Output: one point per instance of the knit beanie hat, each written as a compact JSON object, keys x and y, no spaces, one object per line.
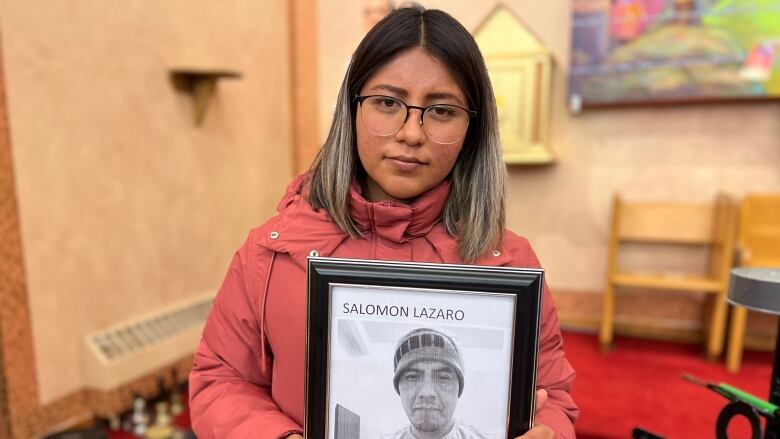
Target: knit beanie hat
{"x":427,"y":344}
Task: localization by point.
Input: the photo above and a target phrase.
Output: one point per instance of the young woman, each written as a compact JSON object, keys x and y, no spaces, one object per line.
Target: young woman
{"x":411,"y":171}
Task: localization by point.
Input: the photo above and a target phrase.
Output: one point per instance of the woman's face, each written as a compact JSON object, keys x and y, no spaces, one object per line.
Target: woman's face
{"x":405,"y":164}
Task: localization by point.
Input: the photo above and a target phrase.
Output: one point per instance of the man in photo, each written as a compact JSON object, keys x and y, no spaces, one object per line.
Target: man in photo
{"x":429,"y":380}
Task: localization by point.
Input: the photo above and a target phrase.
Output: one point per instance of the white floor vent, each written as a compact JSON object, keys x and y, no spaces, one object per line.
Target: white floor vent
{"x":132,"y":349}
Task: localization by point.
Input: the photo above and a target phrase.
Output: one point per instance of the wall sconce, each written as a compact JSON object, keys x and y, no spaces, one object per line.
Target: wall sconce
{"x":201,"y":84}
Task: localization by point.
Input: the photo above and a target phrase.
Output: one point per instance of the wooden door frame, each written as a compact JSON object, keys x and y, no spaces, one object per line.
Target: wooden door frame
{"x":305,"y":97}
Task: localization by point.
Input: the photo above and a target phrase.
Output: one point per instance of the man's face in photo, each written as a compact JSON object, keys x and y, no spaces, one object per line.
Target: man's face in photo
{"x":429,"y":394}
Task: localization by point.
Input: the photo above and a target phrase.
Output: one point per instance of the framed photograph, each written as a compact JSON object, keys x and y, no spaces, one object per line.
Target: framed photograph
{"x":401,"y":350}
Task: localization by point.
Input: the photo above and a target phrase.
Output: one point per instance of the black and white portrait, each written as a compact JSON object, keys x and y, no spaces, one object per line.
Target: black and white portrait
{"x":411,"y":363}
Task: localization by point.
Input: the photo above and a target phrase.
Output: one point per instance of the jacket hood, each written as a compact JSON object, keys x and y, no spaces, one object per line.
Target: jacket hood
{"x":298,"y":229}
{"x":301,"y":231}
{"x":397,"y":222}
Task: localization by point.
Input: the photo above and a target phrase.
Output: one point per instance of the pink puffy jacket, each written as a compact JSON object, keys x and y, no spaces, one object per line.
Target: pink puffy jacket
{"x":248,"y":374}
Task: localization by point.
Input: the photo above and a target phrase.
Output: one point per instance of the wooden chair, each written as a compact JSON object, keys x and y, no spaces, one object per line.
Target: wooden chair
{"x":758,"y":245}
{"x":674,"y":224}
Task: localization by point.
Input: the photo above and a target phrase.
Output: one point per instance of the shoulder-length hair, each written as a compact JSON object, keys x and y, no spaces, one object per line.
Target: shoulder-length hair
{"x":475,"y":209}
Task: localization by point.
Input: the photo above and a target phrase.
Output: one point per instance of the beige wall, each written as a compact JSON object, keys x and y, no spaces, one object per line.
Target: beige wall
{"x":668,"y":153}
{"x":125,"y":205}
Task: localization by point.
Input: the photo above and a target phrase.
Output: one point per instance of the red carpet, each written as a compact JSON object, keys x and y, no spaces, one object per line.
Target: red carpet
{"x":638,"y":384}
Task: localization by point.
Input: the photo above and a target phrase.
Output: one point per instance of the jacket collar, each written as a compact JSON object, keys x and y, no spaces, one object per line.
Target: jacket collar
{"x":395,"y":221}
{"x":299,"y":230}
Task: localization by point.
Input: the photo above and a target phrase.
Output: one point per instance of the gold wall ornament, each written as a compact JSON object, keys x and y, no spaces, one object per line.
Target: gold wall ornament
{"x":520,"y":70}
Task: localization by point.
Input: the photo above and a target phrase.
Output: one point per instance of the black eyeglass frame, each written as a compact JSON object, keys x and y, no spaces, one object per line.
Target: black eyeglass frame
{"x":360,"y":98}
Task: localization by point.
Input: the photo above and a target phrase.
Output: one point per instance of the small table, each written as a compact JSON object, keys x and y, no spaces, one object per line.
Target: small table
{"x":758,"y":289}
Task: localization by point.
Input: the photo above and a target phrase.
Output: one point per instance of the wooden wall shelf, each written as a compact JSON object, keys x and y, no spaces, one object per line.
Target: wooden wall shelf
{"x":202,"y":84}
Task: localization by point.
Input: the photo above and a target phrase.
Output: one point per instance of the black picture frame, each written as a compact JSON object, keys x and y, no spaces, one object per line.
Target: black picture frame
{"x":514,"y":294}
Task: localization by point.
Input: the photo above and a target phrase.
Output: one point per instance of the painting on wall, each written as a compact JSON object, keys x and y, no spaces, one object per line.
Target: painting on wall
{"x":650,"y":51}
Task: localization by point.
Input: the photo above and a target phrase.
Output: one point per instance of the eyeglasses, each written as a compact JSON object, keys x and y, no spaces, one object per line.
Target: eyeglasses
{"x":386,"y":115}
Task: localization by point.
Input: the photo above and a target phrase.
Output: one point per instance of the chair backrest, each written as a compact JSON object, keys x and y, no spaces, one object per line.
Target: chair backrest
{"x":663,"y":222}
{"x":709,"y":225}
{"x":759,"y":230}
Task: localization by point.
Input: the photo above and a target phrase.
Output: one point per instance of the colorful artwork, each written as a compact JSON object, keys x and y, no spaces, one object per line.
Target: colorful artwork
{"x":641,"y":51}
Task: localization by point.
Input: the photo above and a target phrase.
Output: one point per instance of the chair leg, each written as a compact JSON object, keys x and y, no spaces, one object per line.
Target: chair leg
{"x":736,"y":338}
{"x":717,"y":327}
{"x":607,"y":318}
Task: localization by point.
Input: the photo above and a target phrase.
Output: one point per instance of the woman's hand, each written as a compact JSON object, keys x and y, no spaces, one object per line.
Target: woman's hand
{"x":539,"y":431}
{"x":298,"y":436}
